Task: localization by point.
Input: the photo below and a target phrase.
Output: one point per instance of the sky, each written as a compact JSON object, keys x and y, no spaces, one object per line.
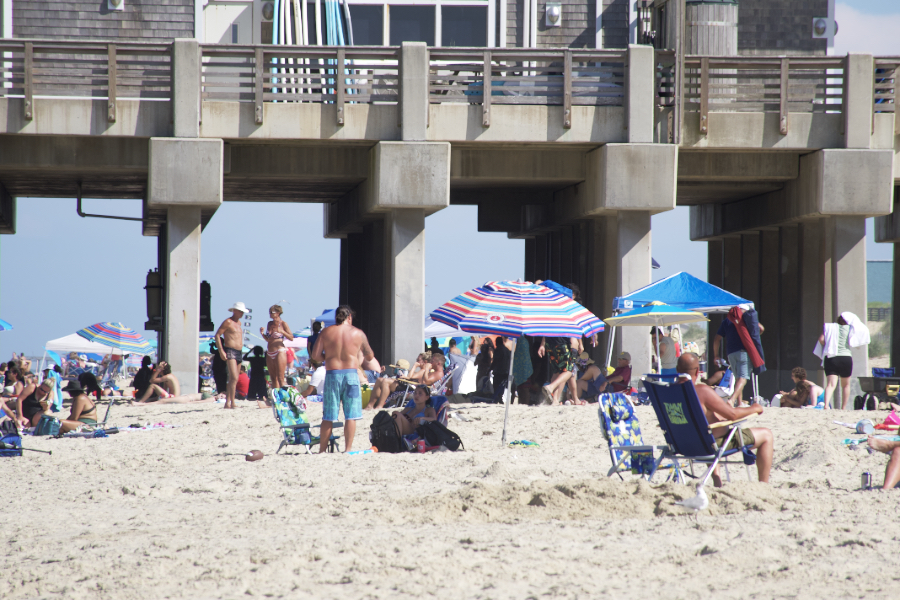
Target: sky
{"x":61,"y":272}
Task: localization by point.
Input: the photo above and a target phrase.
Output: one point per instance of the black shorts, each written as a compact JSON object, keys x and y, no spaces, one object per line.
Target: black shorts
{"x":842,"y":366}
{"x":233,"y":354}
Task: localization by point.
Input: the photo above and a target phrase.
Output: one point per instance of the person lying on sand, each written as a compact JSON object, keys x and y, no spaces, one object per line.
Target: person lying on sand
{"x":716,"y":409}
{"x":892,"y":471}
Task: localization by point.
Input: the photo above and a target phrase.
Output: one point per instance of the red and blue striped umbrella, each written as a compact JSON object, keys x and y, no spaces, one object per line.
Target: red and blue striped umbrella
{"x":516,"y":308}
{"x":116,"y":335}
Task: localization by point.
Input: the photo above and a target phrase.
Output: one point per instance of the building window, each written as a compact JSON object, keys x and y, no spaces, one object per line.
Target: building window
{"x":464,"y":26}
{"x":368,"y":24}
{"x":412,"y":24}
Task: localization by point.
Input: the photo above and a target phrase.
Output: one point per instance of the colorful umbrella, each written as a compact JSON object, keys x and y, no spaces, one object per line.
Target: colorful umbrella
{"x":513,"y":309}
{"x":116,"y":335}
{"x":516,"y":308}
{"x":4,"y":326}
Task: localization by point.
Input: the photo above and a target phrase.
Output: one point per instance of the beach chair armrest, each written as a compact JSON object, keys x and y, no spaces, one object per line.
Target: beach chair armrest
{"x":407,"y":381}
{"x":734,"y":422}
{"x":637,"y":448}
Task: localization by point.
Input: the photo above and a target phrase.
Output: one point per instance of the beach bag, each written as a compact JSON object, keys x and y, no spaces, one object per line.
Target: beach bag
{"x":47,"y":426}
{"x":10,"y":440}
{"x":436,"y":434}
{"x":385,"y":435}
{"x":865,"y":402}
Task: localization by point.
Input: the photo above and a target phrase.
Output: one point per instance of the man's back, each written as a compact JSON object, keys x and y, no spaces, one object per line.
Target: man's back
{"x":341,"y":345}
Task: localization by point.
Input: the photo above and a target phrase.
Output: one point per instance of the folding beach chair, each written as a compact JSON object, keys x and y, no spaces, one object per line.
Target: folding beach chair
{"x":290,"y":412}
{"x":622,"y":432}
{"x":688,"y":433}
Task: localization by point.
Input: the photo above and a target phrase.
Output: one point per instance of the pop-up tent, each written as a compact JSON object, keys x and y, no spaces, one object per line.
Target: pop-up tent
{"x":682,"y":290}
{"x":326,"y":318}
{"x":76,"y":343}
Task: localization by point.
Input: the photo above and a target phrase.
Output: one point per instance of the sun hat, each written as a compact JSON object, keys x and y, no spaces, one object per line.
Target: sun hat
{"x":626,"y":356}
{"x":239,"y":306}
{"x":73,"y":386}
{"x":586,"y":357}
{"x":401,"y":364}
{"x":82,"y":357}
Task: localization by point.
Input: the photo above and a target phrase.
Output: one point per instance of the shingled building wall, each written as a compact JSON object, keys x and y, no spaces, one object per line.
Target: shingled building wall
{"x":80,"y":19}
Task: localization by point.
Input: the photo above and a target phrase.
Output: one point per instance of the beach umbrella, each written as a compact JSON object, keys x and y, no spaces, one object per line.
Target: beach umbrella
{"x":655,"y":314}
{"x":116,"y":335}
{"x":5,"y":326}
{"x":514,"y":309}
{"x":304,"y":333}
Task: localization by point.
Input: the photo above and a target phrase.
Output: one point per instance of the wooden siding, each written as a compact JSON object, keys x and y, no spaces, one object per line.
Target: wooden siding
{"x":779,"y":27}
{"x":578,"y":22}
{"x":77,"y":19}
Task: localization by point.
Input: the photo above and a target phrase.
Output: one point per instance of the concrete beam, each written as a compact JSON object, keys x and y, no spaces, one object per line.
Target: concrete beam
{"x":185,"y":172}
{"x":409,"y":175}
{"x":491,"y":166}
{"x":84,"y":116}
{"x":186,"y":87}
{"x":832,"y":182}
{"x":414,"y":76}
{"x":737,"y":166}
{"x":7,"y":212}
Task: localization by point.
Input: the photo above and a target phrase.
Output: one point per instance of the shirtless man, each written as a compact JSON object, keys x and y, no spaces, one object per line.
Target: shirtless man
{"x":341,"y":344}
{"x":716,"y":409}
{"x":230,"y":339}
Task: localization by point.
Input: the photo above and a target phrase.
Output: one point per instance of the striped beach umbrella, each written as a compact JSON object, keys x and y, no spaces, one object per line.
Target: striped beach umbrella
{"x":4,"y":326}
{"x":516,"y":308}
{"x":116,"y":335}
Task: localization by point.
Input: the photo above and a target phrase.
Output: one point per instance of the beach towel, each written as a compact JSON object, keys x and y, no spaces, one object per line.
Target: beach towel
{"x":57,"y":404}
{"x":857,"y":336}
{"x":747,"y":325}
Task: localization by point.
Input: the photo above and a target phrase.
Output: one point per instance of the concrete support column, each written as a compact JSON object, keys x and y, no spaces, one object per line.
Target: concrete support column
{"x":183,"y":294}
{"x":640,"y":113}
{"x":767,"y":306}
{"x":812,"y":297}
{"x":405,"y":243}
{"x":788,"y":334}
{"x":858,"y":100}
{"x":895,"y":301}
{"x":848,"y":280}
{"x":750,"y":267}
{"x":186,"y":88}
{"x":414,"y":71}
{"x":715,"y":274}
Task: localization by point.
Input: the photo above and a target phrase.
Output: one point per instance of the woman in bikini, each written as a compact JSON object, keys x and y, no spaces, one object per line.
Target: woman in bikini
{"x":276,"y":355}
{"x":84,"y":410}
{"x":417,"y":411}
{"x":162,"y":384}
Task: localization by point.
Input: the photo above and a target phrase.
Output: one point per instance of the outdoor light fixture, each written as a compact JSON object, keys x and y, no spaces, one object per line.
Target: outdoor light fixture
{"x":268,"y":11}
{"x":553,"y":14}
{"x":115,"y":4}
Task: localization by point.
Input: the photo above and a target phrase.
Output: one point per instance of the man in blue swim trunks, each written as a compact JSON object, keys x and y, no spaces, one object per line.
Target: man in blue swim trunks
{"x":340,"y":345}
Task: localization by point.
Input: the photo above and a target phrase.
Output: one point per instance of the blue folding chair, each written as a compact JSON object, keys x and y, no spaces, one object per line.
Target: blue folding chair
{"x":688,"y":433}
{"x":622,"y":431}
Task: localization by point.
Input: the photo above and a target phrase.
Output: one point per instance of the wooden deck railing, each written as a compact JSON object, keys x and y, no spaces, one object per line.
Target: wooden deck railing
{"x":96,"y":70}
{"x":489,"y":76}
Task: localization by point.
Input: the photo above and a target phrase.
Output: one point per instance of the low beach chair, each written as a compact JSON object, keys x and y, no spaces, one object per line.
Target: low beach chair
{"x":290,"y":412}
{"x":622,"y":432}
{"x":688,"y":434}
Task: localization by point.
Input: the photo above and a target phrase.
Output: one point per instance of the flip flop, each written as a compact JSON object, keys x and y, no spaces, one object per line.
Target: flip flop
{"x":546,"y":395}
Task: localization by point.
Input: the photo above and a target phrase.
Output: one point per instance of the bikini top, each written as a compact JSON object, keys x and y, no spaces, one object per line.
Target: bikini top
{"x":277,"y":335}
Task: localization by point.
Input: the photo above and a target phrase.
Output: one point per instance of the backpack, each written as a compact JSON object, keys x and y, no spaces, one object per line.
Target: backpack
{"x":9,"y":436}
{"x":47,"y":426}
{"x":865,"y":402}
{"x":436,"y":434}
{"x":385,"y":435}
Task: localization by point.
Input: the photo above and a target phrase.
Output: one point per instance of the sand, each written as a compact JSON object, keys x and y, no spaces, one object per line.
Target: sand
{"x":179,"y":513}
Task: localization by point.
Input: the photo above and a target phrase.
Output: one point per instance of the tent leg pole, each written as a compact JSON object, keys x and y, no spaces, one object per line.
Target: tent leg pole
{"x":507,"y":392}
{"x":609,"y":348}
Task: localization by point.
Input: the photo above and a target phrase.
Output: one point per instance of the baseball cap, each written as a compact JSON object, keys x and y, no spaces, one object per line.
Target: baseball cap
{"x":626,"y":356}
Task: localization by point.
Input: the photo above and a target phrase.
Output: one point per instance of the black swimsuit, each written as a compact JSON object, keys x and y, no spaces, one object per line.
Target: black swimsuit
{"x":31,"y":406}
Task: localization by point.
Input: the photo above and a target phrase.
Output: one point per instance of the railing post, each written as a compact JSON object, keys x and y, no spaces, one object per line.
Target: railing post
{"x":486,"y":90}
{"x":567,"y":90}
{"x":29,"y":88}
{"x":339,"y":87}
{"x":186,"y":95}
{"x":414,"y":70}
{"x":704,"y":95}
{"x":783,"y":119}
{"x":258,"y":79}
{"x":859,"y":100}
{"x":111,"y":86}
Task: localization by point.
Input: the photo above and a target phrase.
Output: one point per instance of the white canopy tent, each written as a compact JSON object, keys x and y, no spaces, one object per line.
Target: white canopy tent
{"x":76,"y":343}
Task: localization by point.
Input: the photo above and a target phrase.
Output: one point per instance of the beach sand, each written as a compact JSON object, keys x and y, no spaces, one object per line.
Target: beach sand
{"x":179,"y":513}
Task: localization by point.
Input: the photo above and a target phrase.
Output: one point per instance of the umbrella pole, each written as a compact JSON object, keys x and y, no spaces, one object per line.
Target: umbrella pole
{"x":609,"y":346}
{"x":507,"y":393}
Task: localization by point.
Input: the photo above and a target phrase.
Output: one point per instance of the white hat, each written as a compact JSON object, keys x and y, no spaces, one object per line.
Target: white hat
{"x":239,"y":306}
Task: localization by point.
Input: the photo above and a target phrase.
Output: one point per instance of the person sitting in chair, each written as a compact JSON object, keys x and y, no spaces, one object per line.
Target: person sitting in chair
{"x":620,"y":380}
{"x":717,"y":409}
{"x":418,"y":410}
{"x":316,"y":381}
{"x":591,"y":380}
{"x":83,"y":411}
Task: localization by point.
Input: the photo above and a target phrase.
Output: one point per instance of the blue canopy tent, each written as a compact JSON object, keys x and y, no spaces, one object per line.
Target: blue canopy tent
{"x":682,"y":290}
{"x":326,"y":318}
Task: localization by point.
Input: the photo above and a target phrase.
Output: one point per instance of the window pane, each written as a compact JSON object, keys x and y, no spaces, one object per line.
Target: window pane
{"x":412,"y":24}
{"x":464,"y":26}
{"x":367,"y":24}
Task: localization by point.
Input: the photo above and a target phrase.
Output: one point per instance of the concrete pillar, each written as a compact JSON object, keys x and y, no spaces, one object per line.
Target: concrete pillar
{"x":715,"y":274}
{"x":791,"y":345}
{"x":183,"y":294}
{"x":7,"y":211}
{"x":895,"y":302}
{"x":530,"y":249}
{"x":858,"y":100}
{"x":364,"y":283}
{"x":848,"y":280}
{"x":541,"y":250}
{"x":414,"y":72}
{"x":750,"y":267}
{"x":186,"y":88}
{"x":812,"y":297}
{"x":639,"y":108}
{"x":405,"y":241}
{"x":767,"y":306}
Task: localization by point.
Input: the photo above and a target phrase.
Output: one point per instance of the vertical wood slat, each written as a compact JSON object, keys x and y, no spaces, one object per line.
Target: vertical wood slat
{"x":895,"y":77}
{"x":486,"y":90}
{"x":339,"y":86}
{"x":29,"y":88}
{"x":111,"y":87}
{"x":704,"y":95}
{"x":783,"y":119}
{"x":567,"y":90}
{"x":258,"y":78}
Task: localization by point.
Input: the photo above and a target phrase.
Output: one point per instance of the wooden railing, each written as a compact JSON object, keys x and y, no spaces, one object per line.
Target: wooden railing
{"x":489,"y":76}
{"x":96,"y":70}
{"x":887,"y":87}
{"x":760,"y":84}
{"x":258,"y":74}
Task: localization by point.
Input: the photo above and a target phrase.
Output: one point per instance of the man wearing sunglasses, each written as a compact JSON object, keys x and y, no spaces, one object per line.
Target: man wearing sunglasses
{"x":716,"y":409}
